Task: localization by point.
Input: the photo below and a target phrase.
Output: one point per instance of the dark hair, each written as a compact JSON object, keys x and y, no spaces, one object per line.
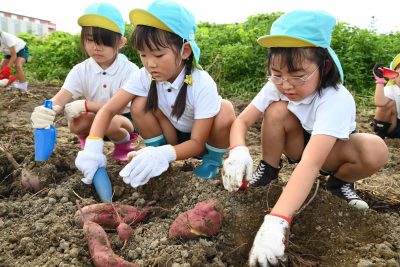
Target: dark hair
{"x":291,"y":58}
{"x":156,"y":39}
{"x":100,"y":36}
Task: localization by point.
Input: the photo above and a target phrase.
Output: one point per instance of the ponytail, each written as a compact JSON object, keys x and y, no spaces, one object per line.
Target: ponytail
{"x":180,"y":102}
{"x":152,"y":98}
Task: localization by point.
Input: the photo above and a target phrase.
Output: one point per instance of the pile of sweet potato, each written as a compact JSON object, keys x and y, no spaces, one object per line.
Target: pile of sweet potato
{"x":112,"y":216}
{"x":205,"y":219}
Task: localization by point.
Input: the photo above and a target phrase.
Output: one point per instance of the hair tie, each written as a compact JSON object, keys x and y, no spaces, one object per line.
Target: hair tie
{"x":188,"y":79}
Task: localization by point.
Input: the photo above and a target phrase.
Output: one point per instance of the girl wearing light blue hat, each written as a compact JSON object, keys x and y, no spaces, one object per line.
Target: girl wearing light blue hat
{"x":94,"y":81}
{"x":176,"y":106}
{"x":309,"y":116}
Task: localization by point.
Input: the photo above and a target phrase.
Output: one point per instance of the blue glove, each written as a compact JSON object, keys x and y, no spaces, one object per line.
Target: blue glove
{"x":91,"y":158}
{"x":147,"y":163}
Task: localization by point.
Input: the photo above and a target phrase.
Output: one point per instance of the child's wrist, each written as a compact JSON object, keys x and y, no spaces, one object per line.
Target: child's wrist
{"x":86,"y":106}
{"x":288,"y":219}
{"x":233,"y":147}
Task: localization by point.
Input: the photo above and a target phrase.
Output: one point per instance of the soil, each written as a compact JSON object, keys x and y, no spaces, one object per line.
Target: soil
{"x":38,"y":229}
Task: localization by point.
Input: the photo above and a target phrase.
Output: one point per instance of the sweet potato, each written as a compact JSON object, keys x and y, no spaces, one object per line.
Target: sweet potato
{"x":100,"y":248}
{"x":204,"y":219}
{"x":106,"y":215}
{"x":124,"y":231}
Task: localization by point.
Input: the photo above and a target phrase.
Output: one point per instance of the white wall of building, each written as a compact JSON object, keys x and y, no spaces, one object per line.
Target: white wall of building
{"x":15,"y":25}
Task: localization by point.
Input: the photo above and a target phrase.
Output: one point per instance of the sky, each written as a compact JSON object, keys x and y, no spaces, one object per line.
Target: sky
{"x":354,"y":12}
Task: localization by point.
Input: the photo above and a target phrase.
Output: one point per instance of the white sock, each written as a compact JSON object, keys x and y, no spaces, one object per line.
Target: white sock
{"x":124,"y":140}
{"x":22,"y":86}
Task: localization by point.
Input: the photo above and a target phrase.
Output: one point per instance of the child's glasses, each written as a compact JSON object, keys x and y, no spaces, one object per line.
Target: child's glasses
{"x":295,"y":81}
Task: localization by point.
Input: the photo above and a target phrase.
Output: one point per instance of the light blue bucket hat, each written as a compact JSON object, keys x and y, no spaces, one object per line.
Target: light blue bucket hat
{"x":103,"y":15}
{"x":303,"y":28}
{"x":168,"y":16}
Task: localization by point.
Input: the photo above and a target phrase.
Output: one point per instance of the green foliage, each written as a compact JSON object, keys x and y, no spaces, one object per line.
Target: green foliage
{"x":128,"y":50}
{"x":359,"y":50}
{"x":230,"y":53}
{"x":53,"y":56}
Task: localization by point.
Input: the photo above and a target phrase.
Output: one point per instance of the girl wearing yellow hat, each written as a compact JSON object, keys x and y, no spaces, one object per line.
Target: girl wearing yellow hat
{"x":95,"y":80}
{"x":386,"y":122}
{"x":176,"y":105}
{"x":309,"y":116}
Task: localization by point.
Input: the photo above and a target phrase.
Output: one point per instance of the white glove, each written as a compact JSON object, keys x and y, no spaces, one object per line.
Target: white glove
{"x":42,"y":117}
{"x":147,"y":163}
{"x":90,"y":159}
{"x":237,"y":166}
{"x":74,"y":109}
{"x":269,"y":245}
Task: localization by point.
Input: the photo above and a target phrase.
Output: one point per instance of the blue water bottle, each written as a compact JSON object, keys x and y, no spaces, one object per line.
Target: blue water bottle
{"x":45,"y":139}
{"x":102,"y":184}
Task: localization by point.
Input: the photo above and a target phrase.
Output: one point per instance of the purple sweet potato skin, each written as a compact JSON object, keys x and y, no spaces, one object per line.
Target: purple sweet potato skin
{"x":105,"y":215}
{"x":205,"y":219}
{"x":100,"y":247}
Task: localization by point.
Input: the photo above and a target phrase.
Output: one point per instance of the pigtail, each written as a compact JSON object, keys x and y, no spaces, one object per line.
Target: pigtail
{"x":152,"y":98}
{"x":180,"y":102}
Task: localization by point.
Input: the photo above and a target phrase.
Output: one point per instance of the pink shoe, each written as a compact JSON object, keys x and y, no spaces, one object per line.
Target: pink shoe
{"x":82,"y":140}
{"x":133,"y":136}
{"x":121,"y":151}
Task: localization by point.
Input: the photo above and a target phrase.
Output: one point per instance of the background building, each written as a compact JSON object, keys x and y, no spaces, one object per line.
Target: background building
{"x":15,"y":23}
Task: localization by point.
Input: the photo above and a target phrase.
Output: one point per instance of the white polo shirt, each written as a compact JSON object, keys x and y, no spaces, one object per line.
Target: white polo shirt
{"x":202,"y":99}
{"x":88,"y":80}
{"x":393,"y":92}
{"x":8,"y":40}
{"x":333,"y":112}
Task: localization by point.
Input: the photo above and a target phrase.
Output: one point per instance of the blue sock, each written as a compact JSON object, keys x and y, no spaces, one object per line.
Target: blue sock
{"x":155,"y":141}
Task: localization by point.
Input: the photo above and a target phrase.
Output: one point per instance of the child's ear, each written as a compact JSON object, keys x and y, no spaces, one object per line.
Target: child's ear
{"x":122,"y":42}
{"x":187,"y":50}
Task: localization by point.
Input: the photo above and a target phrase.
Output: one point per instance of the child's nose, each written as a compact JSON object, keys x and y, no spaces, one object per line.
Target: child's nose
{"x":286,"y":84}
{"x":151,"y":63}
{"x":97,"y":47}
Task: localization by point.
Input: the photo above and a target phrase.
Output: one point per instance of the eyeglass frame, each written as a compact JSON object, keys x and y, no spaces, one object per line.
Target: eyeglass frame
{"x":304,"y":80}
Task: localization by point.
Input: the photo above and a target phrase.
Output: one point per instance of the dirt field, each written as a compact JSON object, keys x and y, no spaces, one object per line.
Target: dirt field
{"x":39,"y":230}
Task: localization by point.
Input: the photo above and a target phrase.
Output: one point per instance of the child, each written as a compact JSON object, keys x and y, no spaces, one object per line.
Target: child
{"x":96,"y":79}
{"x":16,"y":53}
{"x":387,"y":101}
{"x":310,"y":117}
{"x":174,"y":101}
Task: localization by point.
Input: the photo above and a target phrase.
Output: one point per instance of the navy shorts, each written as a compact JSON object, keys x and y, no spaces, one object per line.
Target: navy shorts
{"x":182,"y":136}
{"x":24,"y":53}
{"x":396,"y":132}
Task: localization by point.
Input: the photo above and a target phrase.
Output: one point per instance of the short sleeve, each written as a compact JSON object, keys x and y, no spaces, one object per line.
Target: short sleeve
{"x":73,"y":84}
{"x":266,"y":96}
{"x":207,"y":101}
{"x":138,"y":83}
{"x":335,"y":119}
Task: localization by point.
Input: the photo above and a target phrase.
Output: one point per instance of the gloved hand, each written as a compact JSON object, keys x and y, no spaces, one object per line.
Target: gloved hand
{"x":5,"y":72}
{"x":269,"y":244}
{"x":378,"y":74}
{"x":91,"y":158}
{"x":238,"y":166}
{"x":42,"y":117}
{"x":75,"y":108}
{"x":147,"y":163}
